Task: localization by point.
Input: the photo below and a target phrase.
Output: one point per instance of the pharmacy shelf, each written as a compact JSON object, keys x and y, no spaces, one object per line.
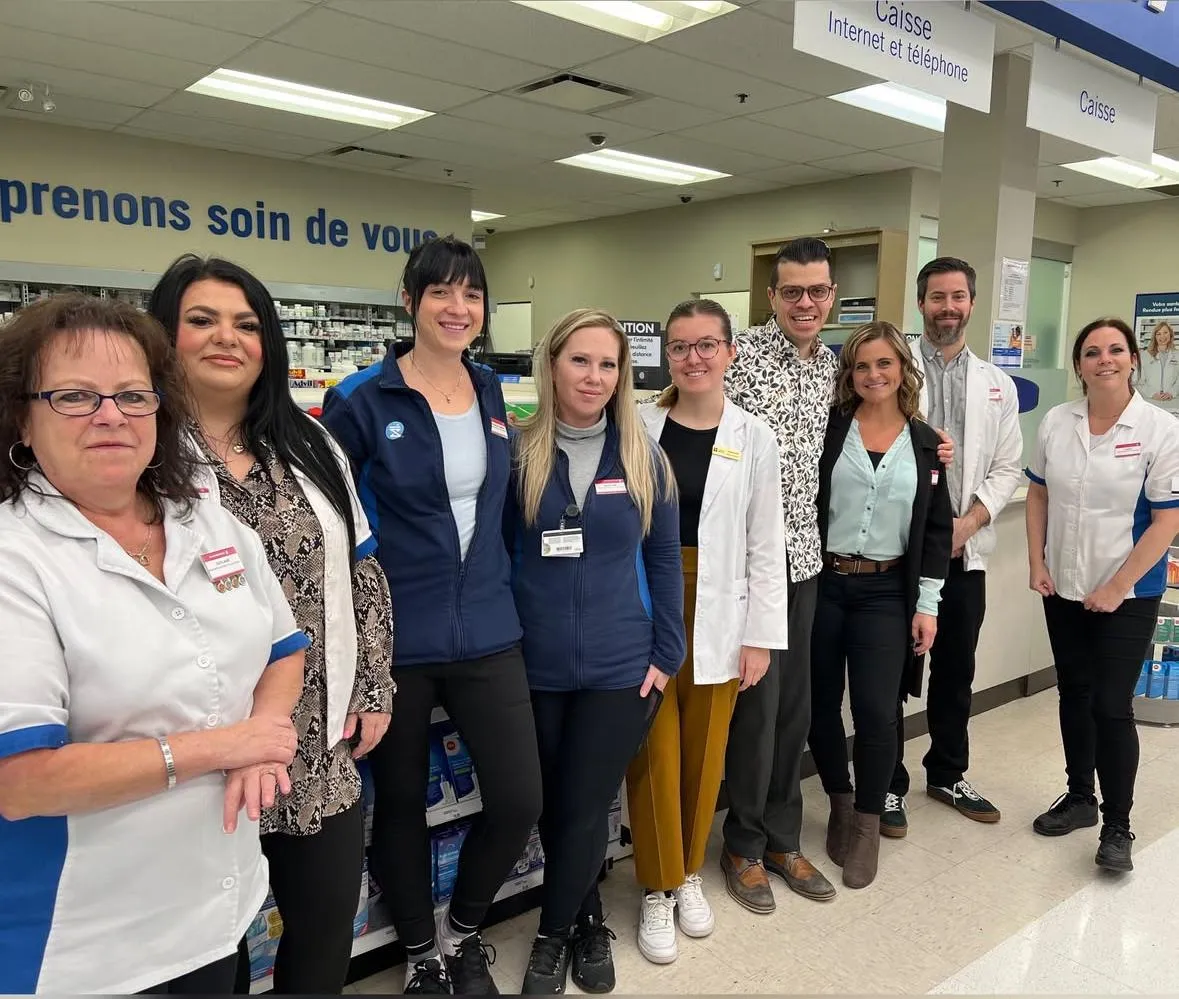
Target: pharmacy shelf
{"x":439,"y":816}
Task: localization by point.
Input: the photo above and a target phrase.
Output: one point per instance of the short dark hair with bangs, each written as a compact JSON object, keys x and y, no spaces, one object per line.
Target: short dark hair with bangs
{"x":23,"y":342}
{"x":446,"y":260}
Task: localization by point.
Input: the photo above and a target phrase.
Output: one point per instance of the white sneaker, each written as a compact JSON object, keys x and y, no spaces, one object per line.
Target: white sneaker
{"x":657,"y":928}
{"x":695,"y":914}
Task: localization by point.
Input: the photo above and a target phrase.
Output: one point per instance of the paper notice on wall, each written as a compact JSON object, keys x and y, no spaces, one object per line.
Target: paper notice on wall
{"x":1013,"y":291}
{"x":644,"y":351}
{"x":1007,"y":344}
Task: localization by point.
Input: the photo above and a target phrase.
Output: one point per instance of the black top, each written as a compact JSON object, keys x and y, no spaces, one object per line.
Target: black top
{"x":876,"y":456}
{"x":690,"y":454}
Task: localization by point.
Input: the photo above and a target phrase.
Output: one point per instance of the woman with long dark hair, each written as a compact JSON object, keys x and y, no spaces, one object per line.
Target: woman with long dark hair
{"x":427,"y":435}
{"x":281,"y":474}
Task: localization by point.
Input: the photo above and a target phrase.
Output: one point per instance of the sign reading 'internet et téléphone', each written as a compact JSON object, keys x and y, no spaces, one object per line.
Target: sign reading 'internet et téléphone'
{"x":1078,"y":101}
{"x":934,"y":47}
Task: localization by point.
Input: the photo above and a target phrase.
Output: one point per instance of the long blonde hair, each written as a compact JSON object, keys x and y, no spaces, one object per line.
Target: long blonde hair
{"x":909,"y":393}
{"x":1153,"y":349}
{"x":646,"y":468}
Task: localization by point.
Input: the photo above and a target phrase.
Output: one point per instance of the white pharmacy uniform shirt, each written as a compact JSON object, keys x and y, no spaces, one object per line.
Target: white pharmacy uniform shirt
{"x":1101,"y":494}
{"x":96,"y":650}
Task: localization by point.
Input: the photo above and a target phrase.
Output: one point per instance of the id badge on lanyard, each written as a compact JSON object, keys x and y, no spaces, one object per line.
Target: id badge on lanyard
{"x":563,"y":542}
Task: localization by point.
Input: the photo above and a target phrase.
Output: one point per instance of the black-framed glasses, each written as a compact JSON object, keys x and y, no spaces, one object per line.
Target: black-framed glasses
{"x":816,"y":292}
{"x":706,"y":348}
{"x":84,"y":402}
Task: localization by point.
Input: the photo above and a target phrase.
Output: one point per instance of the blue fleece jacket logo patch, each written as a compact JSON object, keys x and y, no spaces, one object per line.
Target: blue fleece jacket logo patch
{"x":395,"y":430}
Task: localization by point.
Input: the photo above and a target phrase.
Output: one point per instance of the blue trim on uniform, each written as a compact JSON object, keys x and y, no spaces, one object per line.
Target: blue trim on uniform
{"x":296,"y":641}
{"x":366,"y":547}
{"x":1034,"y":477}
{"x":32,"y":856}
{"x":22,"y":740}
{"x":644,"y":586}
{"x":1154,"y":581}
{"x":1164,"y":504}
{"x":353,"y":382}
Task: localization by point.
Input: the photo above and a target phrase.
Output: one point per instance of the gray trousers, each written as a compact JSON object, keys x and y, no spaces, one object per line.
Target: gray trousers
{"x":767,"y":738}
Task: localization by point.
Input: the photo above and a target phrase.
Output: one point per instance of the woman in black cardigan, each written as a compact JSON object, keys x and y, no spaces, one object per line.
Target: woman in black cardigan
{"x":886,"y":526}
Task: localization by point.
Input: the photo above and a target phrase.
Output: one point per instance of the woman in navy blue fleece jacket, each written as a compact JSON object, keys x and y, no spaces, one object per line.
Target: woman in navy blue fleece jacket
{"x":598,"y":582}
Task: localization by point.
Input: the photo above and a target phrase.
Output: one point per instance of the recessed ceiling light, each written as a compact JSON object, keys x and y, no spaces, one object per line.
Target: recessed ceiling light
{"x":483,"y":216}
{"x":1162,"y":171}
{"x":643,"y":22}
{"x":641,"y":167}
{"x":895,"y":101}
{"x":283,"y":95}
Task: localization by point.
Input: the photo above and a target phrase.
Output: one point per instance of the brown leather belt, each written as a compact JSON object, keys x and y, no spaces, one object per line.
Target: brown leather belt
{"x":856,"y":565}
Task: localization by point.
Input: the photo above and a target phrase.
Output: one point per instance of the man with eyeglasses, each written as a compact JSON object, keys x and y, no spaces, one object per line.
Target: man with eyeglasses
{"x":784,"y":374}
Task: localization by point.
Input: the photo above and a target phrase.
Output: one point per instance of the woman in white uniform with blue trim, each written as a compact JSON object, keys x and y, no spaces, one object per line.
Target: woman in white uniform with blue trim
{"x":151,"y":665}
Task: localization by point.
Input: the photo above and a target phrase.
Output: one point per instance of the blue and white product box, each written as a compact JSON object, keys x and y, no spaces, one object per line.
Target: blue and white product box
{"x":532,"y":858}
{"x":262,"y":940}
{"x":439,"y":790}
{"x":1172,"y":686}
{"x":360,"y":921}
{"x":447,"y":847}
{"x":1143,"y":679}
{"x":459,"y":767}
{"x":1158,"y":679}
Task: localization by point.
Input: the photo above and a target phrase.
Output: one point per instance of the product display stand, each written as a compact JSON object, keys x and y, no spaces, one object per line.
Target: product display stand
{"x":1157,"y":698}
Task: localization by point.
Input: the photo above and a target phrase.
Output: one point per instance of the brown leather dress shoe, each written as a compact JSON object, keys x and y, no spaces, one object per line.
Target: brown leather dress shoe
{"x":802,"y":877}
{"x":746,"y":882}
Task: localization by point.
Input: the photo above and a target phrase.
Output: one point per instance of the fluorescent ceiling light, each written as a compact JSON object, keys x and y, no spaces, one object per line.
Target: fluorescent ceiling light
{"x":1162,"y":171}
{"x":895,"y":101}
{"x":642,"y":22}
{"x":282,"y":95}
{"x":641,"y":167}
{"x":484,"y":216}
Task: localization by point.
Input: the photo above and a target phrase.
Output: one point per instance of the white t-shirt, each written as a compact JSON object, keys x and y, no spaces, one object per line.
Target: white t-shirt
{"x":97,"y":650}
{"x":1100,"y":499}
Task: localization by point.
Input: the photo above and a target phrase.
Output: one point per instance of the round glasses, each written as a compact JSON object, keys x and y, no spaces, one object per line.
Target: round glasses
{"x":706,"y":348}
{"x":83,"y":402}
{"x":816,"y":292}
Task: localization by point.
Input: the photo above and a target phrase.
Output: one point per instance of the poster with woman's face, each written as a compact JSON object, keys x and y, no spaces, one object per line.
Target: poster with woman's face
{"x":1158,"y":378}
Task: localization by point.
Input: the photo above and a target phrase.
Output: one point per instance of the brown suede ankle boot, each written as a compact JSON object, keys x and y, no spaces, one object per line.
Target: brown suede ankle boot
{"x":863,"y":854}
{"x":839,"y":827}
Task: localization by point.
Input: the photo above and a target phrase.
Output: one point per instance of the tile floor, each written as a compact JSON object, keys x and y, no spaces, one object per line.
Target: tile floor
{"x":958,"y":907}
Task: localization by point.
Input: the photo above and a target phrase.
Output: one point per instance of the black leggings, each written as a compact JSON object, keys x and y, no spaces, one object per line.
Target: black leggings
{"x":216,"y":979}
{"x":488,"y":701}
{"x":1098,"y":660}
{"x":862,"y":631}
{"x":587,"y":739}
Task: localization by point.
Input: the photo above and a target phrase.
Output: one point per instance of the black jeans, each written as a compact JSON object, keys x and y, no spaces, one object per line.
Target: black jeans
{"x":215,"y":979}
{"x":488,"y":701}
{"x":1098,"y":660}
{"x":586,"y":739}
{"x":951,"y":675}
{"x":862,"y":630}
{"x":767,"y":737}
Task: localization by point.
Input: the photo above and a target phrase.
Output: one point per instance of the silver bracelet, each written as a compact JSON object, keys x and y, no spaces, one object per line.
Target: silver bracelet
{"x":169,"y":761}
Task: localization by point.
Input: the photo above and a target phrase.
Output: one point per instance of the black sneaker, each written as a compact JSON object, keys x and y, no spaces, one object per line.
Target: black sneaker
{"x":1069,"y":811}
{"x":966,"y":800}
{"x":593,"y":962}
{"x":1114,"y":852}
{"x":548,"y":967}
{"x":894,"y":823}
{"x":428,"y":977}
{"x":470,"y":968}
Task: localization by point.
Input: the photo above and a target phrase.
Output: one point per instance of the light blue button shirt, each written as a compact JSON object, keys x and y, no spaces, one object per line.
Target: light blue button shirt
{"x":870,"y":508}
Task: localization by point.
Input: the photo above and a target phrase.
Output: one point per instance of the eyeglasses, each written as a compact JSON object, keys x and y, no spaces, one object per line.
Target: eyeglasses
{"x":793,"y":292}
{"x":83,"y":402}
{"x":706,"y":348}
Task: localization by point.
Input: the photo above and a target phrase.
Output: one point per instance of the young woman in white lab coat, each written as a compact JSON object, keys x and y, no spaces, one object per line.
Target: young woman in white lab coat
{"x":734,"y":556}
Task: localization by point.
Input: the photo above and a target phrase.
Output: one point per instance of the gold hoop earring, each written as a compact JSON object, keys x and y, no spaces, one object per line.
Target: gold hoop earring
{"x":17,"y":464}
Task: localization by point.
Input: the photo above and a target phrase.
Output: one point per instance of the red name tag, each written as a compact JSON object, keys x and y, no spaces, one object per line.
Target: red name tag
{"x":606,"y":487}
{"x":1131,"y":449}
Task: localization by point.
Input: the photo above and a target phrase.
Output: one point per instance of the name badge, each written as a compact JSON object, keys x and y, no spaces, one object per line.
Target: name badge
{"x":608,"y":487}
{"x":224,"y":568}
{"x":725,"y":452}
{"x":995,"y":394}
{"x":1132,"y":449}
{"x":568,"y":543}
{"x":934,"y":475}
{"x":499,"y":428}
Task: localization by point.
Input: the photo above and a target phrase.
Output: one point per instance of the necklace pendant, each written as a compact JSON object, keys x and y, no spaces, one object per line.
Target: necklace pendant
{"x":143,"y":560}
{"x":239,"y":449}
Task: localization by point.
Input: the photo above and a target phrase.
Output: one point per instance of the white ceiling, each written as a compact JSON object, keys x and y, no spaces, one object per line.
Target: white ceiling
{"x":123,"y":67}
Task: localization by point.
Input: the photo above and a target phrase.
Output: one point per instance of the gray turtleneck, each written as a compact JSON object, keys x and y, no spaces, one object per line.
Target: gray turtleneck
{"x":583,"y":448}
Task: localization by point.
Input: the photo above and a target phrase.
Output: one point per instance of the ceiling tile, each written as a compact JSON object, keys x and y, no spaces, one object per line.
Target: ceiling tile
{"x":450,"y":154}
{"x":1126,"y":196}
{"x":267,"y":151}
{"x":928,"y":154}
{"x":80,"y":84}
{"x":106,"y":60}
{"x":776,"y":143}
{"x":354,"y":38}
{"x":257,"y":18}
{"x":123,"y":28}
{"x":1054,"y":150}
{"x":862,"y":163}
{"x":98,"y":113}
{"x":853,"y":126}
{"x":62,"y":121}
{"x":657,"y":71}
{"x":263,"y":119}
{"x":783,"y":10}
{"x":1166,"y":131}
{"x":661,"y":115}
{"x":800,"y":173}
{"x":201,"y":131}
{"x":680,"y":149}
{"x":484,"y":135}
{"x":511,"y":112}
{"x":505,"y":28}
{"x":1071,"y":183}
{"x":318,"y":70}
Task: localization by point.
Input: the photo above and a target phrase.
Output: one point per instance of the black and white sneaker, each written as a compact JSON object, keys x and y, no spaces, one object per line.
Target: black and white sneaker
{"x":965,"y":799}
{"x":1068,"y":812}
{"x":548,"y":967}
{"x":1114,"y":852}
{"x":894,"y":823}
{"x":470,"y":968}
{"x":427,"y":977}
{"x":593,"y":959}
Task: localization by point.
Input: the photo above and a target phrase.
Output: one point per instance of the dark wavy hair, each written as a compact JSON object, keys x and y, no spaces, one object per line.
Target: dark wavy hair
{"x":69,"y":316}
{"x":274,"y":422}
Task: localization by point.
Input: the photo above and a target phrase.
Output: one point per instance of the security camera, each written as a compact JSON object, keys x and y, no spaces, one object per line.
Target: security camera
{"x":597,"y":138}
{"x":25,"y":95}
{"x":48,"y":105}
{"x":489,"y":231}
{"x":685,"y":198}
